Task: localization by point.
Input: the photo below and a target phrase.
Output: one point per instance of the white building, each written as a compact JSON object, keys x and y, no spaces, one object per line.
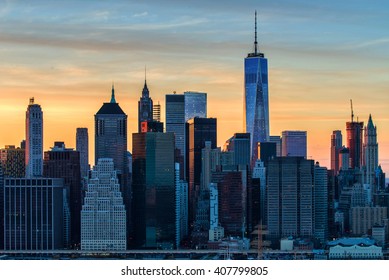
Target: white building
{"x":34,"y":140}
{"x":103,"y":215}
{"x":355,"y":252}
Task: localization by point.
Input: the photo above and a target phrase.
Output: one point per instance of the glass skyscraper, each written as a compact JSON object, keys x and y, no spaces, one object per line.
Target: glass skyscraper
{"x":256,"y":97}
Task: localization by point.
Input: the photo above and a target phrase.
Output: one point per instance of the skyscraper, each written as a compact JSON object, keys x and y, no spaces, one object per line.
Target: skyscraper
{"x":240,"y":145}
{"x":290,"y":197}
{"x":145,"y":107}
{"x":154,"y":190}
{"x":82,"y":146}
{"x":175,"y":122}
{"x":38,"y":204}
{"x":256,"y":97}
{"x":354,"y":141}
{"x":103,"y":215}
{"x":34,"y":140}
{"x":111,"y":142}
{"x":336,"y":146}
{"x":64,"y":163}
{"x":294,"y":143}
{"x":200,"y":131}
{"x":1,"y":208}
{"x":195,"y":104}
{"x":277,"y":140}
{"x":321,"y":203}
{"x":370,"y":148}
{"x":157,"y":112}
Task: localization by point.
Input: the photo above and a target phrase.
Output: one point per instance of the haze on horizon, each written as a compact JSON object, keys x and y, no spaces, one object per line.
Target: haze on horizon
{"x":321,"y":54}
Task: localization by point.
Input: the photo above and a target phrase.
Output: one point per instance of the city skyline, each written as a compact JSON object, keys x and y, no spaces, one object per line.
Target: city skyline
{"x":318,"y":60}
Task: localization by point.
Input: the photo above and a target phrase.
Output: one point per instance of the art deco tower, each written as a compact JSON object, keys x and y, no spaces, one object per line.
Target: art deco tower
{"x":34,"y":140}
{"x":370,"y":148}
{"x":145,"y":107}
{"x":111,"y":141}
{"x":256,"y":97}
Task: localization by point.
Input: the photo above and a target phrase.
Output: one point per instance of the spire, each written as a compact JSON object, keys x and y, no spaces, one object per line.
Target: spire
{"x":370,"y":124}
{"x":145,"y":91}
{"x":255,"y":42}
{"x":113,"y":94}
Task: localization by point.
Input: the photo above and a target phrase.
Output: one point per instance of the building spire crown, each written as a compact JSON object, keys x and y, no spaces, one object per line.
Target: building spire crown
{"x":145,"y":91}
{"x":113,"y":100}
{"x":255,"y":41}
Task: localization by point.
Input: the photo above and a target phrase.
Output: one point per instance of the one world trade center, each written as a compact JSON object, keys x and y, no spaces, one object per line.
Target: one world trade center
{"x":256,"y":98}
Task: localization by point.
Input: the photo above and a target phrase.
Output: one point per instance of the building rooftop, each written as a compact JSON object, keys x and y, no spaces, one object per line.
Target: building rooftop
{"x":110,"y":109}
{"x":351,"y":241}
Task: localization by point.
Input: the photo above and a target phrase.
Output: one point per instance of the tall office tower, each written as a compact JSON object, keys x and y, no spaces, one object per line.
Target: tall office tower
{"x":82,"y":146}
{"x":153,"y":189}
{"x":370,"y":148}
{"x":1,"y":208}
{"x":321,"y":204}
{"x":240,"y":145}
{"x":200,"y":131}
{"x":290,"y":197}
{"x":354,"y":142}
{"x":195,"y":104}
{"x":181,"y":206}
{"x":175,"y":122}
{"x":294,"y":143}
{"x":256,"y":97}
{"x":232,"y":187}
{"x":103,"y":215}
{"x":267,"y":151}
{"x":64,"y":163}
{"x":336,"y":145}
{"x":13,"y":161}
{"x":34,"y":140}
{"x":111,"y":142}
{"x":157,"y":112}
{"x":278,"y":141}
{"x":40,"y":202}
{"x":145,"y":107}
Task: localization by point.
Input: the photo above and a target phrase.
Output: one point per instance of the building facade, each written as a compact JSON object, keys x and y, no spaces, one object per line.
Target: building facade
{"x":82,"y":146}
{"x":34,"y":140}
{"x":294,"y":143}
{"x":103,"y":215}
{"x":145,"y":107}
{"x":154,"y":190}
{"x":33,"y":214}
{"x":290,"y":197}
{"x":336,"y":146}
{"x":13,"y":161}
{"x":370,"y":151}
{"x":64,"y":163}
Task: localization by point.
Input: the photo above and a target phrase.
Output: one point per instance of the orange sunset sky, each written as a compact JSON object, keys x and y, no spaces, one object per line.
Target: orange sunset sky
{"x":320,"y":56}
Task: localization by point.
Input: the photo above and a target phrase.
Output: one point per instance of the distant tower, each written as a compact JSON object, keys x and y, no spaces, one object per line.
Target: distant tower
{"x":82,"y":146}
{"x":256,"y":98}
{"x":200,"y":131}
{"x":157,"y":112}
{"x":64,"y":163}
{"x":290,"y":197}
{"x":294,"y":143}
{"x":145,"y":107}
{"x":34,"y":140}
{"x":103,"y":215}
{"x":195,"y":104}
{"x":370,"y":151}
{"x":336,"y":145}
{"x":154,"y":190}
{"x":354,"y":141}
{"x":111,"y":142}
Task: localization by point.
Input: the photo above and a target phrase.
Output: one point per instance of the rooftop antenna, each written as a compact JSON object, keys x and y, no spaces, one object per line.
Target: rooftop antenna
{"x":352,"y":111}
{"x":255,"y":42}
